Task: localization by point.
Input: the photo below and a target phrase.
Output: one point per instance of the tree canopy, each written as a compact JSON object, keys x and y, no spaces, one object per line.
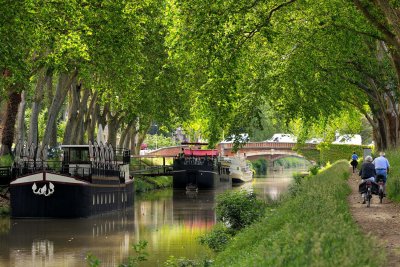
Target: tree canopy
{"x":218,"y":67}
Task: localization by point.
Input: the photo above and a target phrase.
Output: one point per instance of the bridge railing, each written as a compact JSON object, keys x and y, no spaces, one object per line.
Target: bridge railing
{"x":266,"y":145}
{"x":262,"y":145}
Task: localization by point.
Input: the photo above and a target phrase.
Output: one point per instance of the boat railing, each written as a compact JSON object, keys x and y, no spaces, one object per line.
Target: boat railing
{"x":197,"y":161}
{"x":78,"y":171}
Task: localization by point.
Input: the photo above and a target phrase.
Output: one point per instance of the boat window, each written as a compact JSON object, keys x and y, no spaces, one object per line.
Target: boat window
{"x":78,"y":154}
{"x":94,"y":200}
{"x":98,"y":199}
{"x":113,"y":198}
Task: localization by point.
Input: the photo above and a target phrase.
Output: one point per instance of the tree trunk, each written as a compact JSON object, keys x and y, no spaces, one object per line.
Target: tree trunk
{"x":140,"y":138}
{"x":125,"y":135}
{"x":128,"y":138}
{"x":50,"y":95}
{"x":33,"y":136}
{"x":112,"y":124}
{"x":91,"y":117}
{"x":14,"y":99}
{"x":80,"y":125}
{"x":63,"y":84}
{"x":3,"y":110}
{"x":20,"y":129}
{"x":74,"y":95}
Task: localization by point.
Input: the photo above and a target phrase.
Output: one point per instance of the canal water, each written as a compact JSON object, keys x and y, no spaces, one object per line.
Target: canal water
{"x":169,"y":220}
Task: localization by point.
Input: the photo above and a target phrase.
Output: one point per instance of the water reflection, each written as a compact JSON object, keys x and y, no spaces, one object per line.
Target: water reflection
{"x":170,"y":220}
{"x":67,"y":242}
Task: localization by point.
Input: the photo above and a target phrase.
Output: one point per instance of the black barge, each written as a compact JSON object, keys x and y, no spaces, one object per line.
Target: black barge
{"x":89,"y":180}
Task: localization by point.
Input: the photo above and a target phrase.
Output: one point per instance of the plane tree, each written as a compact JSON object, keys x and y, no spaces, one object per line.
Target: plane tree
{"x":16,"y":36}
{"x":305,"y":59}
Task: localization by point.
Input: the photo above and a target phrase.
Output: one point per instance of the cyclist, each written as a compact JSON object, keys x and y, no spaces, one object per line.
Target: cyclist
{"x":354,"y":161}
{"x":367,"y":172}
{"x":382,"y":168}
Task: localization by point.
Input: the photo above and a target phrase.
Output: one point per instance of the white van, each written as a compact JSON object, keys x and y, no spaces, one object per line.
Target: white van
{"x":348,"y":139}
{"x":282,"y":138}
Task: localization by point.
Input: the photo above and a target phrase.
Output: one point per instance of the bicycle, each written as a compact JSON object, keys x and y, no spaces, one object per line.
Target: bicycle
{"x":368,"y":193}
{"x":368,"y":188}
{"x":381,"y":183}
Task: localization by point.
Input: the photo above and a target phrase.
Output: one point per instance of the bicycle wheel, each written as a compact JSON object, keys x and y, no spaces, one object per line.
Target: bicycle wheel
{"x":369,"y":196}
{"x":381,"y":195}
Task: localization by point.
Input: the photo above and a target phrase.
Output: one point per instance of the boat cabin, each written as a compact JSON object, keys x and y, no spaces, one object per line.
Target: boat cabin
{"x":78,"y":154}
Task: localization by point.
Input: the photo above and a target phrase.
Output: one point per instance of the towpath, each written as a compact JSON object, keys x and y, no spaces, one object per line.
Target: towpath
{"x":382,"y":221}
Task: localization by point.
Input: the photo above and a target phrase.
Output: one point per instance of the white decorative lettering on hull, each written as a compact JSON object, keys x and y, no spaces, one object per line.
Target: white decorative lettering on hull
{"x":43,"y":190}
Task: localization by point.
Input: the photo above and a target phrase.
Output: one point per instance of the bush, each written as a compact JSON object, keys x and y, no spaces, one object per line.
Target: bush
{"x":4,"y":210}
{"x":6,"y":160}
{"x":393,"y":179}
{"x":218,"y":238}
{"x":239,"y":209}
{"x":314,"y":169}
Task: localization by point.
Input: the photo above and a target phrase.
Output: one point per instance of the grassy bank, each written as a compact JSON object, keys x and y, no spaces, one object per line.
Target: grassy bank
{"x":393,"y":181}
{"x":144,"y":184}
{"x":312,"y":227}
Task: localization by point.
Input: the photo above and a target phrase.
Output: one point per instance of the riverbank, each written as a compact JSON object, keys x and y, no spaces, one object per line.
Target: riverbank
{"x":312,"y":226}
{"x":145,"y":184}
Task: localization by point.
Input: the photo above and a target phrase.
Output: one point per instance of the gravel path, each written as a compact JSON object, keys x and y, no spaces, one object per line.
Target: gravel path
{"x":380,"y":220}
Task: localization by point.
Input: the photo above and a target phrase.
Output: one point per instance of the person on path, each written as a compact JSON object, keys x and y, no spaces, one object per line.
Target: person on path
{"x":367,"y":172}
{"x":354,"y":161}
{"x":382,"y":168}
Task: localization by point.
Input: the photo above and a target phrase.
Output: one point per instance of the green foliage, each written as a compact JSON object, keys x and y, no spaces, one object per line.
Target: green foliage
{"x":133,"y":261}
{"x":218,"y":238}
{"x":158,"y":140}
{"x":238,"y":209}
{"x":333,"y":152}
{"x":92,"y":260}
{"x":260,"y":166}
{"x":6,"y":160}
{"x":393,"y":179}
{"x":311,"y":228}
{"x":309,"y":154}
{"x":141,"y":254}
{"x":235,"y":210}
{"x":144,"y":184}
{"x":314,"y":169}
{"x":4,"y":210}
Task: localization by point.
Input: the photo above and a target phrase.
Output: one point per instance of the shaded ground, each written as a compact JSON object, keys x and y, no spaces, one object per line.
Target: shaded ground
{"x":380,"y":220}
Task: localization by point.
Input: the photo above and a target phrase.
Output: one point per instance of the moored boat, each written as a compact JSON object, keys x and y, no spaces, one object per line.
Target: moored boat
{"x":90,"y":179}
{"x":239,"y":170}
{"x":196,"y":167}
